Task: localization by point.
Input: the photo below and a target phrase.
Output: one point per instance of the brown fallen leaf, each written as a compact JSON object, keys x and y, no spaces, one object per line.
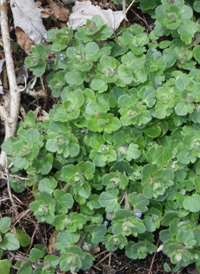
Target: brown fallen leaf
{"x":41,"y":2}
{"x":59,"y":12}
{"x":23,"y":40}
{"x":27,"y":16}
{"x":52,"y":241}
{"x":46,"y":13}
{"x":4,"y":7}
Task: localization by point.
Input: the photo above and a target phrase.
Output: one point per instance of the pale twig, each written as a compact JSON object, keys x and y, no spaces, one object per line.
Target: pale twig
{"x":32,"y":237}
{"x":125,"y":12}
{"x":9,"y":188}
{"x":39,"y":94}
{"x":5,"y":117}
{"x":103,"y":258}
{"x":99,"y":269}
{"x":101,"y":253}
{"x":42,"y":83}
{"x":13,"y":88}
{"x":12,"y":119}
{"x":21,"y":215}
{"x":123,"y":5}
{"x":153,"y":259}
{"x":109,"y":259}
{"x":22,"y":111}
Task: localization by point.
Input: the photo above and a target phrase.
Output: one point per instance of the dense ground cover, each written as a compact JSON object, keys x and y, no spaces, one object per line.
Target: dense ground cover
{"x":116,"y":164}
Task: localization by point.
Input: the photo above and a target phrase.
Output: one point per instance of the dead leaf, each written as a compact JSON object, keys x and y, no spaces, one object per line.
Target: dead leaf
{"x":41,"y":2}
{"x":27,"y":17}
{"x":68,"y":2}
{"x":59,"y":12}
{"x":2,"y":181}
{"x":32,"y":83}
{"x":108,"y":270}
{"x":95,"y":250}
{"x":22,"y":74}
{"x":52,"y":241}
{"x":23,"y":40}
{"x":82,"y":11}
{"x":4,"y":7}
{"x":46,"y":13}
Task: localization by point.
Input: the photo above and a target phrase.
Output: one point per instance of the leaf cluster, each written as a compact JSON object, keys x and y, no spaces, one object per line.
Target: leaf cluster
{"x":118,"y":159}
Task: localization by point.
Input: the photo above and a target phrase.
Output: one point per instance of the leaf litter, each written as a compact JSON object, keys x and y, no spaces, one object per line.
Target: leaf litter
{"x":82,"y":11}
{"x":28,"y":20}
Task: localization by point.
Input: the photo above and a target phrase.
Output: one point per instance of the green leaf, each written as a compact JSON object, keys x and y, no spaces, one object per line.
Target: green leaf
{"x":132,"y":152}
{"x":167,"y":268}
{"x":5,"y":223}
{"x":66,"y":239}
{"x":139,"y":250}
{"x":5,"y":266}
{"x":9,"y":242}
{"x":47,"y":185}
{"x":125,"y":74}
{"x":196,"y":53}
{"x":97,"y":232}
{"x":66,"y":112}
{"x":64,"y":201}
{"x":148,"y":96}
{"x":25,"y":269}
{"x":7,"y":145}
{"x":115,"y":179}
{"x":109,"y":201}
{"x":74,"y":78}
{"x":87,"y":261}
{"x":23,"y":237}
{"x":83,"y":191}
{"x":187,"y":237}
{"x":183,"y":108}
{"x":139,"y":201}
{"x":152,"y":130}
{"x":99,"y":85}
{"x":196,"y":6}
{"x":37,"y":252}
{"x":52,"y":259}
{"x":187,"y":30}
{"x":71,"y":260}
{"x":192,"y":203}
{"x":147,"y":5}
{"x":186,"y":12}
{"x":113,"y":242}
{"x":44,"y":165}
{"x":168,"y":217}
{"x":37,"y":60}
{"x":51,"y":145}
{"x":17,"y":185}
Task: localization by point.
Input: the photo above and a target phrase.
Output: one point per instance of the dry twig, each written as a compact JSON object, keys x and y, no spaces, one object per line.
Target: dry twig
{"x":125,"y":12}
{"x":10,"y":119}
{"x":153,"y":259}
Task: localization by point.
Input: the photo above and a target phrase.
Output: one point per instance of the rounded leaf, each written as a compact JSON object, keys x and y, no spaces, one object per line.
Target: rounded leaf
{"x":192,"y":203}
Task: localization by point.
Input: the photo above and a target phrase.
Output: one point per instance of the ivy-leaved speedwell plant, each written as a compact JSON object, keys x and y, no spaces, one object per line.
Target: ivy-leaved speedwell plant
{"x":118,"y":160}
